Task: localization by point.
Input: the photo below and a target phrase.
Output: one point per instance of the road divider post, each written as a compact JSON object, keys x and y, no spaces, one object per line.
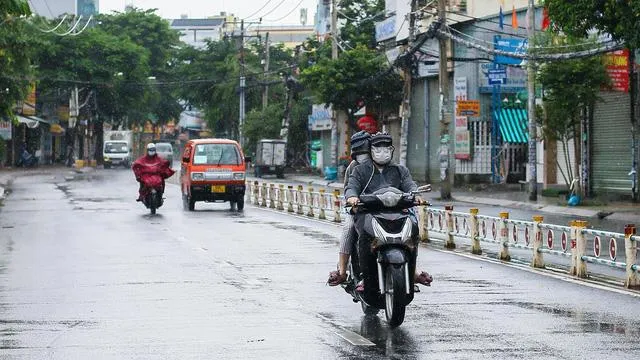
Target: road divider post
{"x":290,"y":198}
{"x":310,"y":203}
{"x":264,"y":195}
{"x":631,"y":250}
{"x":504,"y":237}
{"x":322,"y":204}
{"x":337,"y":206}
{"x":299,"y":197}
{"x":281,"y":197}
{"x":537,"y":260}
{"x":449,"y":240}
{"x":272,"y":196}
{"x":580,"y":269}
{"x":475,"y":232}
{"x":423,"y":222}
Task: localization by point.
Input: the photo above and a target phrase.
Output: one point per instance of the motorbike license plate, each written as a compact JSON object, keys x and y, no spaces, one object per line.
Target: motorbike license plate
{"x":218,"y":189}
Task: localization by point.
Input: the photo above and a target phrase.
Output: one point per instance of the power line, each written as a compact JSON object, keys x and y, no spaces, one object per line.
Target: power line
{"x":272,"y":10}
{"x":257,"y":11}
{"x":289,"y":13}
{"x":533,"y":56}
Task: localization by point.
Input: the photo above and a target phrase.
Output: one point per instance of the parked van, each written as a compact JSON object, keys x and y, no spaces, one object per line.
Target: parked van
{"x":213,"y":170}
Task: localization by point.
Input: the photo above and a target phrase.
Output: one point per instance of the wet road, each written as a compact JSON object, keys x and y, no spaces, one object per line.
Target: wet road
{"x":86,"y":273}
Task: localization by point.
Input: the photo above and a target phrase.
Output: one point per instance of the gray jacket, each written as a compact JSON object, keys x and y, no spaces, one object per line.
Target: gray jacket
{"x":392,"y":175}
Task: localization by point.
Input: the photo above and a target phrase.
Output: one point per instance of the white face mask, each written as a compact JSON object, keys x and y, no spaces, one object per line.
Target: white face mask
{"x":362,"y":157}
{"x":151,"y":152}
{"x":381,"y":155}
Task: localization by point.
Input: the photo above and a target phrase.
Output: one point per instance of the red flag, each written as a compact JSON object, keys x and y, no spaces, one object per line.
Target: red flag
{"x":514,"y":18}
{"x":545,"y":19}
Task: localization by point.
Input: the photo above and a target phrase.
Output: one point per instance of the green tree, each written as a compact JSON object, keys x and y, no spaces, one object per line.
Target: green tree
{"x":618,"y":18}
{"x":150,"y":31}
{"x":358,"y":76}
{"x":15,"y":54}
{"x":571,"y":90}
{"x":360,"y":17}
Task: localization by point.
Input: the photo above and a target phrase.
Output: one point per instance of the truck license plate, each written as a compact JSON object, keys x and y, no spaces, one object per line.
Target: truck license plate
{"x":218,"y":189}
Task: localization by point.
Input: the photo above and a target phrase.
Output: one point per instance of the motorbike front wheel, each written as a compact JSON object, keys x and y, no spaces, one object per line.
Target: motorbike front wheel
{"x":395,"y":292}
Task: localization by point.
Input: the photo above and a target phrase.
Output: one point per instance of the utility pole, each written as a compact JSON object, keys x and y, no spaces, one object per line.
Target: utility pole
{"x":408,"y":79}
{"x":444,"y":113}
{"x":242,"y":85}
{"x":265,"y":93}
{"x":334,"y":56}
{"x":531,"y":98}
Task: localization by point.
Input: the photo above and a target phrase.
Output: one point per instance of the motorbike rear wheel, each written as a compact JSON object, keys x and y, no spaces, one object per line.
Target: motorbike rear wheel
{"x":395,"y":292}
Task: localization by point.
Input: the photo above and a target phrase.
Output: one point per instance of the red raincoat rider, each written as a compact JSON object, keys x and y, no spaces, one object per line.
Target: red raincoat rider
{"x":150,"y":171}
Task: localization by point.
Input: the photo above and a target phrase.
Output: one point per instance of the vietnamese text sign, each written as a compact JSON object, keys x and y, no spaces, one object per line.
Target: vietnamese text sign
{"x":497,"y":76}
{"x":460,"y":88}
{"x":468,"y":108}
{"x":462,"y":149}
{"x":617,"y":64}
{"x":386,"y":29}
{"x":510,"y":45}
{"x":5,"y":130}
{"x":320,"y":118}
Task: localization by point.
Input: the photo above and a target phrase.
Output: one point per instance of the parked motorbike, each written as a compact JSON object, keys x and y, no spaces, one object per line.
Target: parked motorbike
{"x":151,"y":177}
{"x":27,"y":160}
{"x":394,"y":240}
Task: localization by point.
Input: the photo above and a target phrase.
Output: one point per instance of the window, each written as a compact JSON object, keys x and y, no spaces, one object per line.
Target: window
{"x":164,"y":147}
{"x":116,"y":147}
{"x":216,"y":154}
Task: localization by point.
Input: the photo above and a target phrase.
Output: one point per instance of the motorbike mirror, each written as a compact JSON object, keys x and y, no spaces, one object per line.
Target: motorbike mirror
{"x":185,"y":159}
{"x":424,"y":188}
{"x":247,"y":159}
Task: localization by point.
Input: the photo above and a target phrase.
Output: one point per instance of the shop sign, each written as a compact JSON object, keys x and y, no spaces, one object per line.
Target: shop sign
{"x":462,"y":139}
{"x":320,"y":118}
{"x":617,"y":65}
{"x":5,"y":130}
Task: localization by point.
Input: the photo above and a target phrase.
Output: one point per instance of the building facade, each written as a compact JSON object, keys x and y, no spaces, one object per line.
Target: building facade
{"x":54,"y":9}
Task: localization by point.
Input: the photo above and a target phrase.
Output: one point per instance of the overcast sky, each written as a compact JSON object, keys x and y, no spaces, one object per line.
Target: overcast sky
{"x":274,"y":11}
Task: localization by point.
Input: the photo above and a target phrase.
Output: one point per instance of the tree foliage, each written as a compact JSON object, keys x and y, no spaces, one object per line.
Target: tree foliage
{"x":15,"y":54}
{"x":618,"y":18}
{"x":571,"y":89}
{"x":357,"y":76}
{"x":359,"y":17}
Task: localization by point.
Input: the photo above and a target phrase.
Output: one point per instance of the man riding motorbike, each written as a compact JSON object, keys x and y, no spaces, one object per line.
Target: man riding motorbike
{"x":360,"y":149}
{"x":366,"y":179}
{"x":150,"y":171}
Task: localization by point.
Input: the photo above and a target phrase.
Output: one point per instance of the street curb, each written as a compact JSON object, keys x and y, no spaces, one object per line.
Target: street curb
{"x":549,"y":209}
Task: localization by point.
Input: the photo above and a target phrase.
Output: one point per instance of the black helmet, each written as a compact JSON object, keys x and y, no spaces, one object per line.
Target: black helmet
{"x":360,"y":143}
{"x":381,"y":139}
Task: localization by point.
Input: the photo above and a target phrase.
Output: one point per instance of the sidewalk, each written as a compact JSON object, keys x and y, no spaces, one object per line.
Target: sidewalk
{"x":620,"y":211}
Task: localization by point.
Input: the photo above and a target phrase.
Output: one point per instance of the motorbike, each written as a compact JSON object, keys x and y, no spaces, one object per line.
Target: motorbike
{"x":27,"y":160}
{"x":394,"y":240}
{"x":151,"y":177}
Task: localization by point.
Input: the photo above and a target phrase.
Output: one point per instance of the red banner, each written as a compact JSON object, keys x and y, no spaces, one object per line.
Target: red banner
{"x":617,"y":64}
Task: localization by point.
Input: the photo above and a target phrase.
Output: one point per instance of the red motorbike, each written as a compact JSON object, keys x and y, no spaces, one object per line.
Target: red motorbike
{"x":151,"y":173}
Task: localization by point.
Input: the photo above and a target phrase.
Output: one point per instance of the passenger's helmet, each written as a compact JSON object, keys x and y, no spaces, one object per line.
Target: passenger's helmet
{"x":381,"y":139}
{"x":151,"y":149}
{"x":360,"y":143}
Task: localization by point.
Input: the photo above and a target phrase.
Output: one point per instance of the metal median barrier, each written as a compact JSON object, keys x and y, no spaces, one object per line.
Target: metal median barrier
{"x":536,"y":236}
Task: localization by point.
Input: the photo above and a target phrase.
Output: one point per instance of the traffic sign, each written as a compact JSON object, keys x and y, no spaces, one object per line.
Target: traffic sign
{"x":596,"y":246}
{"x":613,"y":249}
{"x":550,"y":239}
{"x":564,"y":241}
{"x":497,"y":76}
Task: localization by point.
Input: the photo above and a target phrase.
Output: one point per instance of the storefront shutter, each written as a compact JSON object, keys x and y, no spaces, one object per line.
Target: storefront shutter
{"x":611,"y":144}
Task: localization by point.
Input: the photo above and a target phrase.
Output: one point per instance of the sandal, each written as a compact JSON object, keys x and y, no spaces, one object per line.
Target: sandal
{"x":335,"y":278}
{"x":424,"y":278}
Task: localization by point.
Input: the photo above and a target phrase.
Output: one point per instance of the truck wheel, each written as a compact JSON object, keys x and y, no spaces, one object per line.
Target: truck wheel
{"x":107,"y":166}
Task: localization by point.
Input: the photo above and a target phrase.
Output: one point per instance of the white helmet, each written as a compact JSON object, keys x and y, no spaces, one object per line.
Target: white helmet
{"x":151,"y":149}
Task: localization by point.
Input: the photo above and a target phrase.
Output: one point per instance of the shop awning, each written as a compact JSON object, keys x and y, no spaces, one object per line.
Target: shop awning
{"x":513,"y":125}
{"x":57,"y":129}
{"x":32,"y":122}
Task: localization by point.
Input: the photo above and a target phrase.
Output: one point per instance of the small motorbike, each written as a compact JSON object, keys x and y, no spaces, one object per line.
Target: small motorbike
{"x":27,"y":160}
{"x":393,"y":233}
{"x":151,"y":177}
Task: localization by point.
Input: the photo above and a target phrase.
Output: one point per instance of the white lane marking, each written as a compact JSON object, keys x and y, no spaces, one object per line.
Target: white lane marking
{"x":353,"y":338}
{"x":583,"y":282}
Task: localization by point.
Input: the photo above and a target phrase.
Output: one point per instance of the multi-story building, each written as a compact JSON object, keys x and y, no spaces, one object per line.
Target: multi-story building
{"x":196,"y":32}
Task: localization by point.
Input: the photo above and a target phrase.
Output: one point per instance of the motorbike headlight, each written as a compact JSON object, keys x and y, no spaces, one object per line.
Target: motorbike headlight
{"x":406,"y":232}
{"x":197,"y":176}
{"x":378,"y":232}
{"x":238,"y":176}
